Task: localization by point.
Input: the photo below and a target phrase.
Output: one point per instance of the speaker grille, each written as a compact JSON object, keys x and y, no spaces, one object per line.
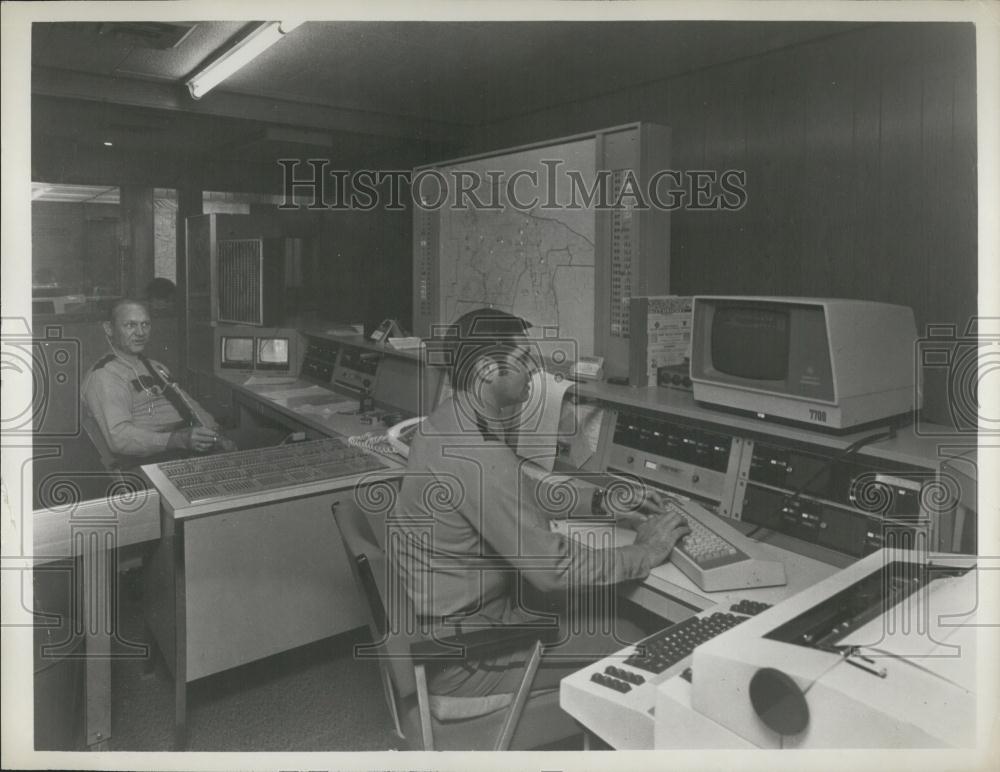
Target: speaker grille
{"x":240,"y":265}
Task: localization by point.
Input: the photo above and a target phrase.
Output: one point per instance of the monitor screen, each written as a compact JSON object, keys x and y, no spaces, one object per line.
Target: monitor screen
{"x":751,"y":342}
{"x":397,"y":385}
{"x":272,"y":354}
{"x":236,"y":352}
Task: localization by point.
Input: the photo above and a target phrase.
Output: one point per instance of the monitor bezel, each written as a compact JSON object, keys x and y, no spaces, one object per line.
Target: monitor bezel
{"x":242,"y":364}
{"x":261,"y":365}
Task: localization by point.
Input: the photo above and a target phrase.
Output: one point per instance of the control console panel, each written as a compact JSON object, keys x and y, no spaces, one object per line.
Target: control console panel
{"x":852,"y":503}
{"x":672,"y":453}
{"x":356,"y":369}
{"x":853,"y":499}
{"x":320,"y":360}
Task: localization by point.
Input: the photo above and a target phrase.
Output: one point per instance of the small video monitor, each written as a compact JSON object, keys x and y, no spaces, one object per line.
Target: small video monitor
{"x":397,"y":385}
{"x":236,"y":353}
{"x":272,"y":354}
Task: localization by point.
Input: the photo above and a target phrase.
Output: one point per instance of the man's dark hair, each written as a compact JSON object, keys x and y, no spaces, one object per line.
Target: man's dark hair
{"x":481,"y":332}
{"x":161,"y":288}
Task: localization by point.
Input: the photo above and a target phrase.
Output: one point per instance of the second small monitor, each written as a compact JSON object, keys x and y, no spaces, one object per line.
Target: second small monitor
{"x":272,"y":354}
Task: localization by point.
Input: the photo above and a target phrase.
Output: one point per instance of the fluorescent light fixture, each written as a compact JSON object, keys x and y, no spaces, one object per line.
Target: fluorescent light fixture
{"x":108,"y":143}
{"x":248,"y":49}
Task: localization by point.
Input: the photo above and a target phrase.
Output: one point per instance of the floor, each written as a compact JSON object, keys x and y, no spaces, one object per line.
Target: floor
{"x":315,"y":698}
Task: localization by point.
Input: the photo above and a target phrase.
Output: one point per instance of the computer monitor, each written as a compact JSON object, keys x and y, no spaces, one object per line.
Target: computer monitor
{"x":236,"y":352}
{"x":828,"y":363}
{"x":397,"y":385}
{"x":273,"y":354}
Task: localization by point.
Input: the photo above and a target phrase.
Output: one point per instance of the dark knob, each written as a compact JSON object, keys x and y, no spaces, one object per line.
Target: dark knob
{"x":630,"y":459}
{"x":367,"y":382}
{"x":686,"y":381}
{"x":779,"y":701}
{"x":695,"y":477}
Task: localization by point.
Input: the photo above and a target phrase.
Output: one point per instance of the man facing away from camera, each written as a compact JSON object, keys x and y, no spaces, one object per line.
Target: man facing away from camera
{"x":466,"y":481}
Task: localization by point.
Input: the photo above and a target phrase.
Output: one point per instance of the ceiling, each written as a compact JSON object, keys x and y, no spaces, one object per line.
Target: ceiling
{"x":363,"y":88}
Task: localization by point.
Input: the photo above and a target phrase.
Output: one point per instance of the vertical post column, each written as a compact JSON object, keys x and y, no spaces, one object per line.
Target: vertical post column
{"x":137,"y":237}
{"x":189,"y":204}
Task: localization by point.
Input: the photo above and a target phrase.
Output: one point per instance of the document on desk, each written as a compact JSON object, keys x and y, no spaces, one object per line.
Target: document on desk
{"x":269,"y":380}
{"x":406,"y":344}
{"x":538,"y":431}
{"x":301,"y":394}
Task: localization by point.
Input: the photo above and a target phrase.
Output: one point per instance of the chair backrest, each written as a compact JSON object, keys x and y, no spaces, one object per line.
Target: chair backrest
{"x":390,"y":613}
{"x":108,"y":459}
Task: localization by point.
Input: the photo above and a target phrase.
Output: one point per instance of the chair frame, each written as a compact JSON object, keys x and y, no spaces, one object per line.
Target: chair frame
{"x":108,"y":458}
{"x":472,"y":645}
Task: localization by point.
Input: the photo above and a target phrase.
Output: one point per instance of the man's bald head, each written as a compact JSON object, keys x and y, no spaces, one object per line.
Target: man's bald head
{"x":115,"y":308}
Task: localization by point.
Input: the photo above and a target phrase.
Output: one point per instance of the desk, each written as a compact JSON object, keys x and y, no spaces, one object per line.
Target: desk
{"x":237,"y":579}
{"x":80,"y":519}
{"x":298,"y":405}
{"x":207,"y":572}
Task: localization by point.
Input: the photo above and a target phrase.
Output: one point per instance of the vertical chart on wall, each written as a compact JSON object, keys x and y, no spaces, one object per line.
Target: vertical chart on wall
{"x":621,"y":258}
{"x":425,"y":231}
{"x":552,"y":232}
{"x":521,"y":240}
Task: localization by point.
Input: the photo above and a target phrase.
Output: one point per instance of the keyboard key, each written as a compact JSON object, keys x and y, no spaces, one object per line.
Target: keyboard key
{"x":749,"y":607}
{"x":625,"y":675}
{"x":611,"y":683}
{"x":668,"y":647}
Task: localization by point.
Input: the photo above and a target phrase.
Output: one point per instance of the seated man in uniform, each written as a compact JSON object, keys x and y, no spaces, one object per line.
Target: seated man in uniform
{"x":142,"y":415}
{"x":489,"y":530}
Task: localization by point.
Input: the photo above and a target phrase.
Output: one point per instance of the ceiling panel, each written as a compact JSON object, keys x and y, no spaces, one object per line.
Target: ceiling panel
{"x":473,"y":73}
{"x":357,"y":92}
{"x":467,"y":73}
{"x":122,"y":49}
{"x":181,"y":62}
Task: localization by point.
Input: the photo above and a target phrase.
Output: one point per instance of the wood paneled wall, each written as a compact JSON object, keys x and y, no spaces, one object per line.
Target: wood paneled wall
{"x":860,"y":154}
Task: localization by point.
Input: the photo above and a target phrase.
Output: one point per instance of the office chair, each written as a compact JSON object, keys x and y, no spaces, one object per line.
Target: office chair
{"x":108,"y":459}
{"x":520,"y":721}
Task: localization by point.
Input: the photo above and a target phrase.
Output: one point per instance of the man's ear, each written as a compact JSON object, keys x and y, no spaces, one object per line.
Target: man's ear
{"x":107,"y":329}
{"x":486,"y":367}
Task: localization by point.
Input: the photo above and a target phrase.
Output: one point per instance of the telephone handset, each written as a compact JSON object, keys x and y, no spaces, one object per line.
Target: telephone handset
{"x":401,"y":435}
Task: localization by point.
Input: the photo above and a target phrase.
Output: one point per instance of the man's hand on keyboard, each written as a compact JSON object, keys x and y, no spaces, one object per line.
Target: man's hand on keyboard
{"x":661,"y":532}
{"x":633,"y":509}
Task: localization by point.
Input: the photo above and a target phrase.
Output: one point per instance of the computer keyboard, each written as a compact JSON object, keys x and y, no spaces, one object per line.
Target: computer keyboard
{"x":670,"y":646}
{"x":265,"y":469}
{"x":714,"y":555}
{"x":616,"y":695}
{"x":706,"y":548}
